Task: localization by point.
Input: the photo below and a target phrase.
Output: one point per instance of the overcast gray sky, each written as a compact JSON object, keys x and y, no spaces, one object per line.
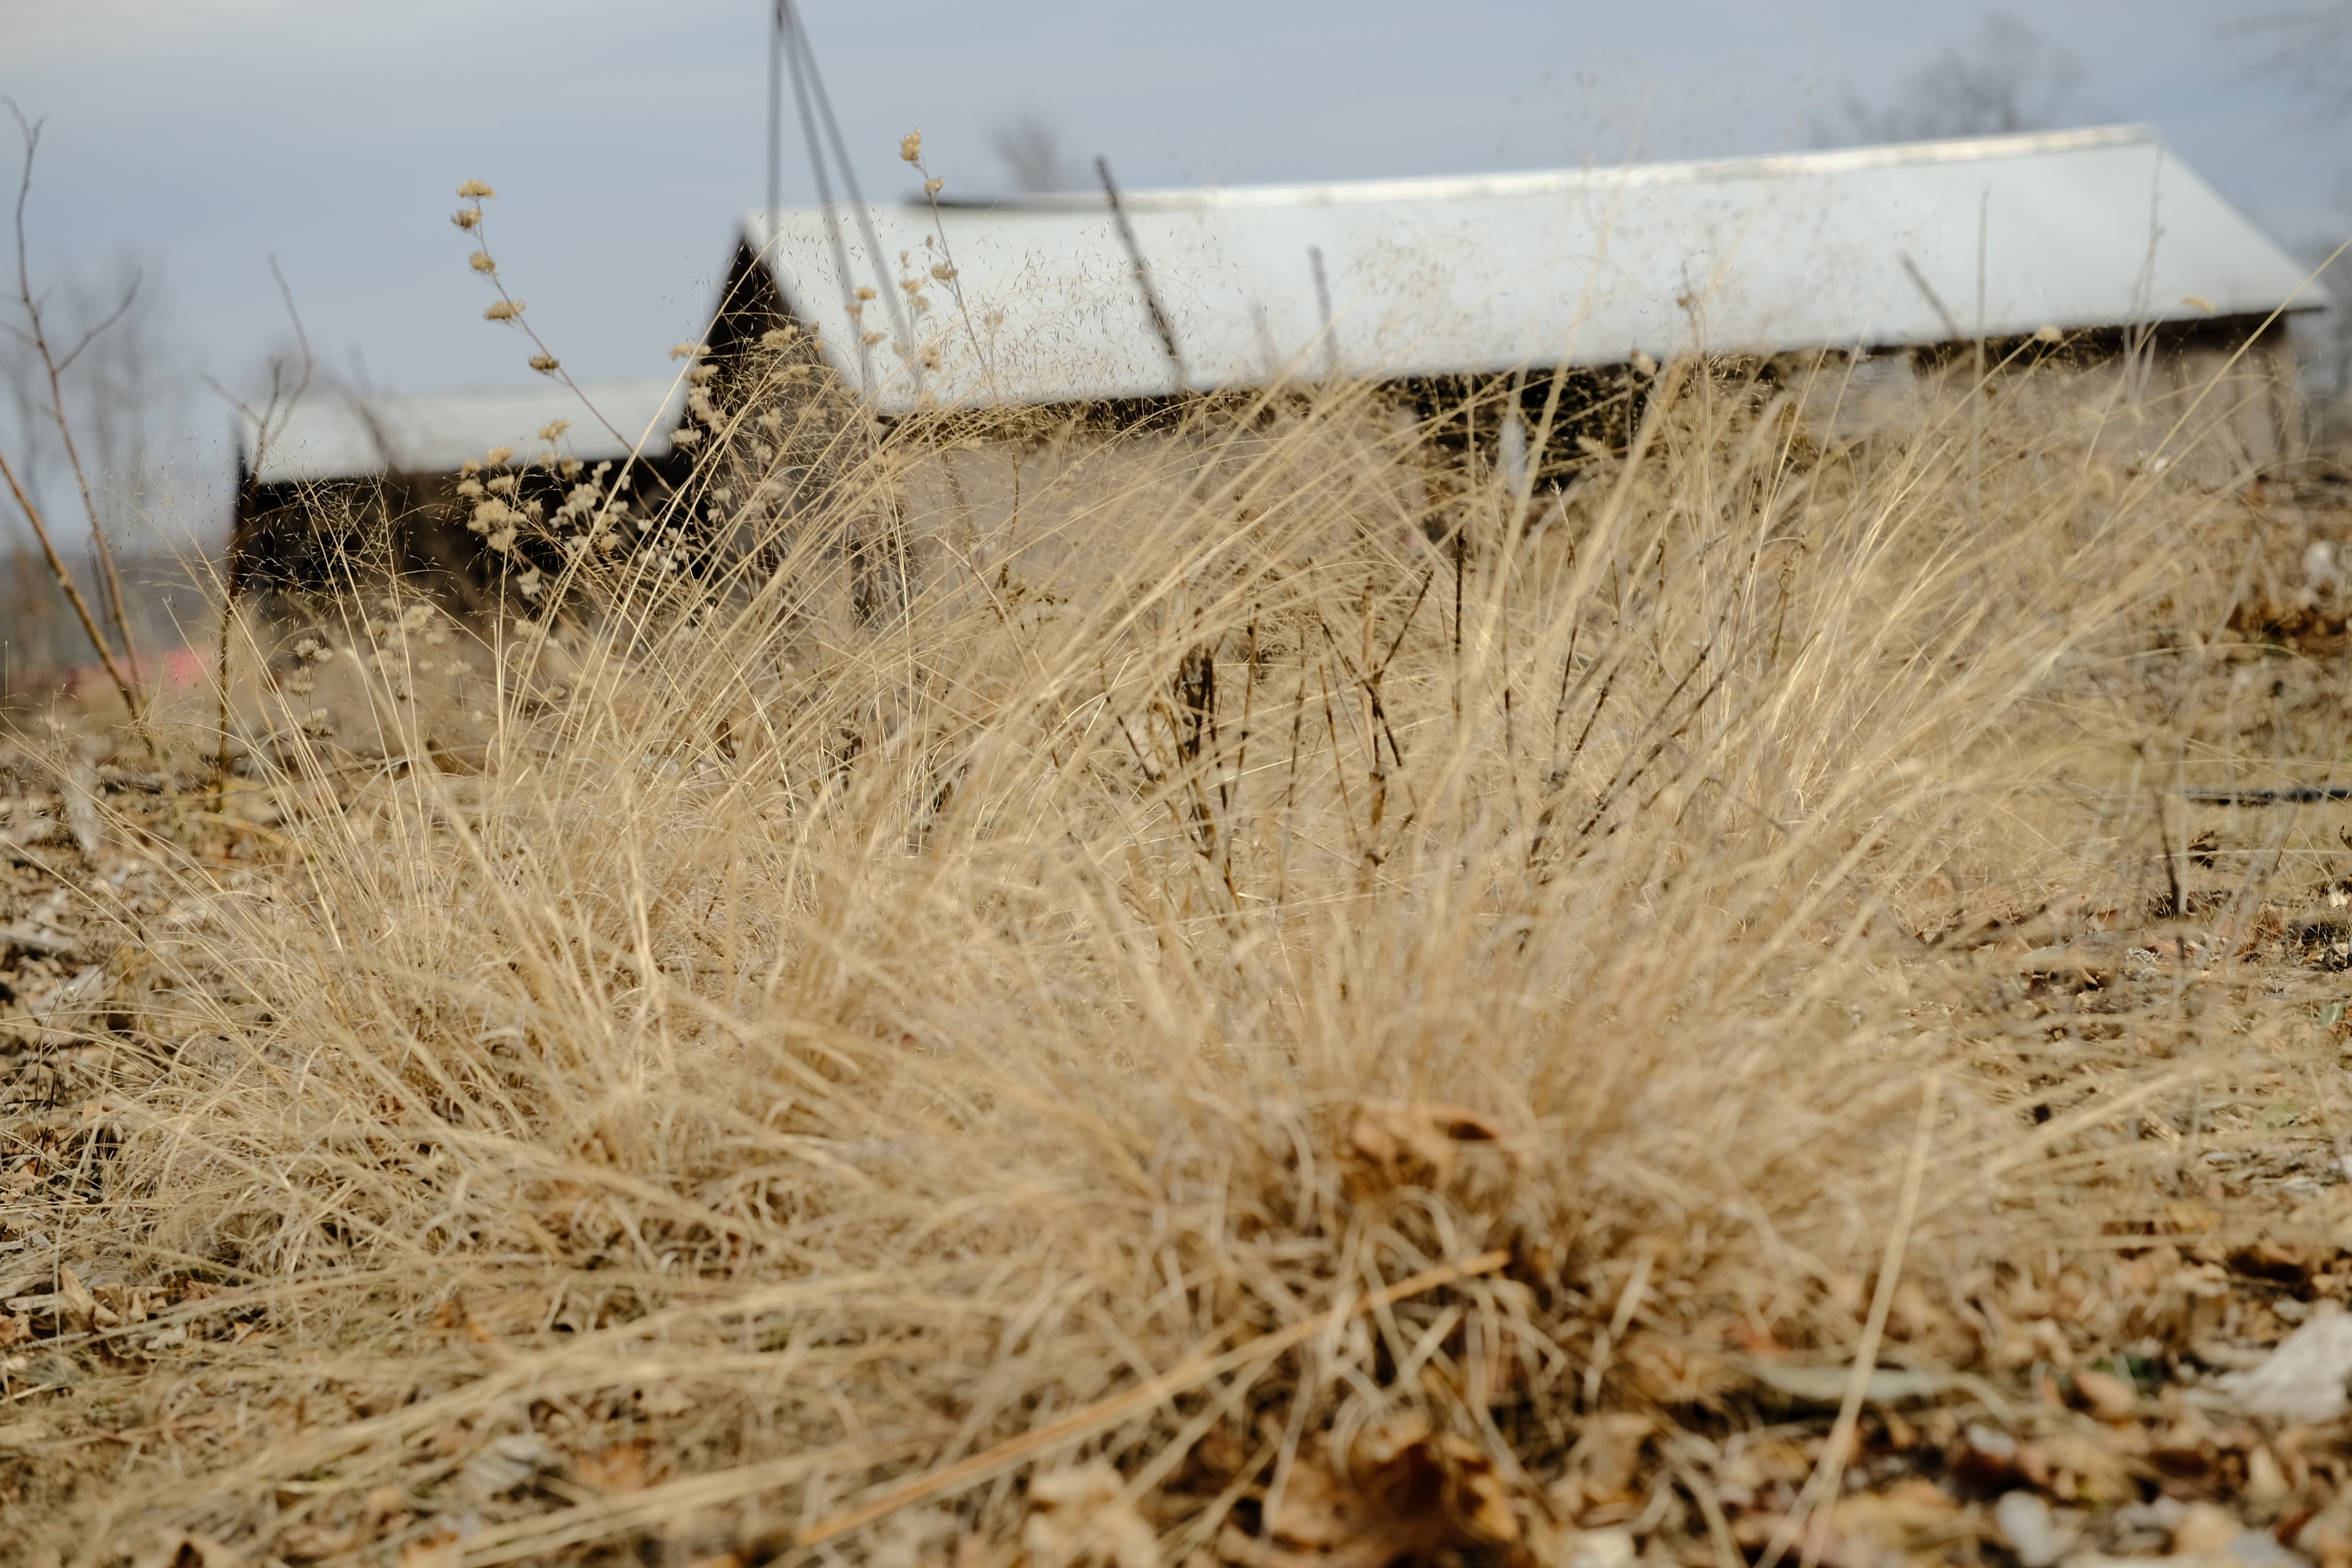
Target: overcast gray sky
{"x":201,"y":137}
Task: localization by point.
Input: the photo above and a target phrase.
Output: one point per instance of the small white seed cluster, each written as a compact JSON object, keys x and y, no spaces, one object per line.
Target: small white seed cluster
{"x":698,"y":405}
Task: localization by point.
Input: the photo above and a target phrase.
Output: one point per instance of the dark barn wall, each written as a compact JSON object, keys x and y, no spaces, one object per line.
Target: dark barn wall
{"x":331,"y":536}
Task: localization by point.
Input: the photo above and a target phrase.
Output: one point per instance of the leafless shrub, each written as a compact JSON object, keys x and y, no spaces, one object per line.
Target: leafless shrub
{"x":2004,"y":77}
{"x":1035,"y":154}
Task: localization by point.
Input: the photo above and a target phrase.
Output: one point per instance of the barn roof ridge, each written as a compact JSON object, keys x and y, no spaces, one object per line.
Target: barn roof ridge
{"x":1545,"y":182}
{"x":343,"y":433}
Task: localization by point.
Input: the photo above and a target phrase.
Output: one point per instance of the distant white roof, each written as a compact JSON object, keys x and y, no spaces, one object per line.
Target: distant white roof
{"x":2079,"y":230}
{"x":336,"y":436}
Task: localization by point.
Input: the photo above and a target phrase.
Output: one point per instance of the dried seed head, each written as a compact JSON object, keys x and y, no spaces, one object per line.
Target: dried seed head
{"x":497,"y":455}
{"x":545,"y":363}
{"x":503,"y":311}
{"x":943,"y":272}
{"x":470,"y":489}
{"x":872,"y":338}
{"x":910,"y":146}
{"x":476,"y":190}
{"x":471,"y":468}
{"x":934,"y":185}
{"x":865,"y":291}
{"x":687,"y":351}
{"x":502,"y":540}
{"x":482,"y":263}
{"x":554,"y":429}
{"x":467,"y":218}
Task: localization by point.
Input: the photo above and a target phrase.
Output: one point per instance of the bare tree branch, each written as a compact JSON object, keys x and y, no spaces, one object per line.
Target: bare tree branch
{"x":123,"y":682}
{"x":130,"y":298}
{"x":2308,"y":48}
{"x":73,"y":593}
{"x":109,"y":577}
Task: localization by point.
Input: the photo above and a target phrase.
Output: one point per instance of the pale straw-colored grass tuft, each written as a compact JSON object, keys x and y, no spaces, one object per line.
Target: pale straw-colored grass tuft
{"x":953,"y":921}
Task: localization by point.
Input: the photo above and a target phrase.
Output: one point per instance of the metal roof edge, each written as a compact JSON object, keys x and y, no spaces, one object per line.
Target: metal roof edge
{"x":1547,"y":182}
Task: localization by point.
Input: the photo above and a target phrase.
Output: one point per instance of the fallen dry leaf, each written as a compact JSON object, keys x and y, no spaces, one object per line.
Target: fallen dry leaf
{"x":1910,"y":1515}
{"x":1599,"y":1470}
{"x":621,"y":1468}
{"x":2205,"y":1528}
{"x":1314,"y":1510}
{"x":1418,"y":1137}
{"x":1079,"y":1515}
{"x":24,"y":1434}
{"x":2094,"y":1465}
{"x":312,"y":1542}
{"x":1406,"y":1493}
{"x":1610,"y":1548}
{"x":1666,"y":1371}
{"x":913,"y":1538}
{"x":2303,"y":1378}
{"x":505,"y":1463}
{"x":187,"y":1549}
{"x":442,"y":1549}
{"x":2031,"y":1529}
{"x":81,"y":1306}
{"x":2110,"y":1398}
{"x":1478,"y":1495}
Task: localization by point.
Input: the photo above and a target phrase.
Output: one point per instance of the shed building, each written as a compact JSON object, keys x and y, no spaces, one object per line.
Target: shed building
{"x":343,"y":479}
{"x":1900,"y":254}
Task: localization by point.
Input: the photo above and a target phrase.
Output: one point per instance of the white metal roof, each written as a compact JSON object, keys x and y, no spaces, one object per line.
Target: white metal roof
{"x":338,"y":436}
{"x":2079,"y":230}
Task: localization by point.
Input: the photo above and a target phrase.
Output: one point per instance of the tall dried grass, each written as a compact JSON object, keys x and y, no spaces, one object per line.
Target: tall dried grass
{"x":918,"y":953}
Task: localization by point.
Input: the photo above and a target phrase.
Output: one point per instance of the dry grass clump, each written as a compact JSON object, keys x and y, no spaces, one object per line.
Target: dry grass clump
{"x":938,"y":934}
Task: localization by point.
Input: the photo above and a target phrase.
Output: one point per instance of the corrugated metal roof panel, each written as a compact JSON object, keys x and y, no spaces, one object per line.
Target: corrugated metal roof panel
{"x":2080,"y":229}
{"x":337,"y":436}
